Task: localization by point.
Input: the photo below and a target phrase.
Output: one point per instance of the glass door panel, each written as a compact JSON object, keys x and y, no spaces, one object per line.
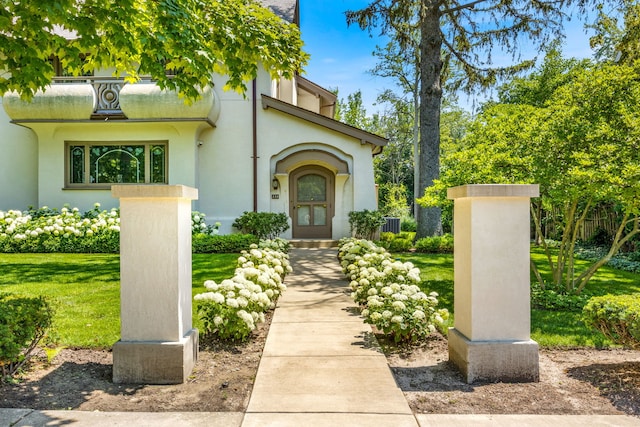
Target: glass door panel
{"x":312,"y":188}
{"x":320,"y":215}
{"x":304,"y":215}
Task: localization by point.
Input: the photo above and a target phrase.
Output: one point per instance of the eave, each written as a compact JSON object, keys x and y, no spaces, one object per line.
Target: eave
{"x":363,"y":136}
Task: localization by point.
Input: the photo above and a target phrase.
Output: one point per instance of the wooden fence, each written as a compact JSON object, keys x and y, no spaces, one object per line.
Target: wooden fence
{"x":600,"y":218}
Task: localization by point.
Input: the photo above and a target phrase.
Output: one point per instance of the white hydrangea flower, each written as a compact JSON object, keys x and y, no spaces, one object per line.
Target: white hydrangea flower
{"x":398,"y":306}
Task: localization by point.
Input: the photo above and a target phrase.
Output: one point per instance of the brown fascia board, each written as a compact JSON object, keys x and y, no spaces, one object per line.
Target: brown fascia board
{"x":365,"y":137}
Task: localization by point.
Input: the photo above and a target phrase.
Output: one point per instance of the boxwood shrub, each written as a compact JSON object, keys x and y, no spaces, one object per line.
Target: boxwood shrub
{"x":616,"y":316}
{"x":435,"y":245}
{"x":229,"y":243}
{"x":24,"y":322}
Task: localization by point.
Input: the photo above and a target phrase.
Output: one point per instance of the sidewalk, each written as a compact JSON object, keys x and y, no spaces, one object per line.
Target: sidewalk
{"x":321,"y":366}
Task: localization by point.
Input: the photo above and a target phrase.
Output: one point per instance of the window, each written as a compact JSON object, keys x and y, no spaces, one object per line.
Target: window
{"x":100,"y":164}
{"x":60,"y":71}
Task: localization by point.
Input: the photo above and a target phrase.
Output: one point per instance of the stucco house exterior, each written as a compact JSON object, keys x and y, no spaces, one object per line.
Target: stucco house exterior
{"x":278,"y":149}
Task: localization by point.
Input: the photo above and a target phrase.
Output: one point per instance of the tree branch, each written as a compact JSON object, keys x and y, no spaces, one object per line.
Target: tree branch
{"x":463,"y":6}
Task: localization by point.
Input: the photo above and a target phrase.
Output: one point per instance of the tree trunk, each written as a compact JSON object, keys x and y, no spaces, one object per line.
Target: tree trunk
{"x":416,"y":150}
{"x":429,"y":219}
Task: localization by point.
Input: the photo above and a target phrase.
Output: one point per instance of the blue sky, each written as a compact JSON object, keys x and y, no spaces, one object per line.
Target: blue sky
{"x":341,"y":55}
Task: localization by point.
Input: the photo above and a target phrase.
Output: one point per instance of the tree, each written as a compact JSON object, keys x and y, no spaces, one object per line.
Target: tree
{"x":352,"y":111}
{"x":614,"y":42}
{"x":394,"y":165}
{"x":537,"y":88}
{"x":403,"y":64}
{"x":135,"y":37}
{"x":582,"y":147}
{"x":467,"y":33}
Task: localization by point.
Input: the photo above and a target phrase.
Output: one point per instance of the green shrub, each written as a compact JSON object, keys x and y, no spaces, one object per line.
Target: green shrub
{"x":400,"y":245}
{"x":277,"y":244}
{"x":46,"y":230}
{"x":389,"y":293}
{"x":435,"y":245}
{"x":556,"y":299}
{"x":232,"y":309}
{"x":221,"y":244}
{"x":365,"y":224}
{"x":387,"y":236}
{"x":264,"y":225}
{"x":616,"y":316}
{"x":401,"y":242}
{"x":404,"y":312}
{"x":408,"y":224}
{"x":24,"y":322}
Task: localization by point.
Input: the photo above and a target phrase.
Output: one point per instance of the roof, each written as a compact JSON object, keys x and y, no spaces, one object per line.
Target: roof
{"x":365,"y":137}
{"x":285,"y":9}
{"x":315,"y":88}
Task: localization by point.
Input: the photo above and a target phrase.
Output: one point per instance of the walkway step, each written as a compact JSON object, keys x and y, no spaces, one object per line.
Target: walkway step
{"x":313,"y":243}
{"x":321,"y":364}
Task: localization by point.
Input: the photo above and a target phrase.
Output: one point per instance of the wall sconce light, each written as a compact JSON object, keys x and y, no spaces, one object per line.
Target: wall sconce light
{"x":274,"y":183}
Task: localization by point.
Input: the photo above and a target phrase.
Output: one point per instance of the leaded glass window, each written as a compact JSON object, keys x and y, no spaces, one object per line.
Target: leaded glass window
{"x":312,"y":188}
{"x":102,"y":164}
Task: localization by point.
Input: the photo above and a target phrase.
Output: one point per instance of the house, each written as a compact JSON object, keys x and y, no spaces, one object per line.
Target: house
{"x":278,"y":149}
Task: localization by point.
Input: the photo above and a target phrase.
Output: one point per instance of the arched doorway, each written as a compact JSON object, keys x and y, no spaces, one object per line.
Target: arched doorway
{"x":312,"y":202}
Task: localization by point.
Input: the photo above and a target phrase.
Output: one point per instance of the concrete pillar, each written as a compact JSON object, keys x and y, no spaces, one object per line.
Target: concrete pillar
{"x":158,"y":344}
{"x":491,"y":335}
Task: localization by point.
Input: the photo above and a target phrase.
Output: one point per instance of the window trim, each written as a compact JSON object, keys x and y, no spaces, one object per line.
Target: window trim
{"x":68,"y":185}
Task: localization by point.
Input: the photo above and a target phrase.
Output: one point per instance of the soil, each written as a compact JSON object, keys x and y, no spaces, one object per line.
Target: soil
{"x":572,"y":381}
{"x":81,"y":379}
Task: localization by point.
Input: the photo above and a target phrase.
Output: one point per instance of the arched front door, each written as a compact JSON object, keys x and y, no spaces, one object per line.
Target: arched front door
{"x":312,"y":202}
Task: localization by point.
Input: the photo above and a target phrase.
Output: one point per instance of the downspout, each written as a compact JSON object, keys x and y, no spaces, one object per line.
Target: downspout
{"x":255,"y":146}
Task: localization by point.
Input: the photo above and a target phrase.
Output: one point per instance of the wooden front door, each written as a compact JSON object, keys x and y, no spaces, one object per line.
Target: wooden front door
{"x":312,"y":202}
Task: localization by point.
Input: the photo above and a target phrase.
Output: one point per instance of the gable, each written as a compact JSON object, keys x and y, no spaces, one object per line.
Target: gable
{"x":377,"y":142}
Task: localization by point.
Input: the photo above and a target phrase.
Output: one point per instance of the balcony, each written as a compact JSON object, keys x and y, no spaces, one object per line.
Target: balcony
{"x":105,"y":98}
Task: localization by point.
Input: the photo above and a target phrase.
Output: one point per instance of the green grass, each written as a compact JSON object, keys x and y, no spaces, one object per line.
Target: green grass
{"x":548,"y":328}
{"x":436,"y":271}
{"x":85,"y":289}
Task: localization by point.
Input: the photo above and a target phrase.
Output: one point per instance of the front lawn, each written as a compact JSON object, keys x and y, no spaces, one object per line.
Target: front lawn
{"x":85,"y":289}
{"x":548,"y":328}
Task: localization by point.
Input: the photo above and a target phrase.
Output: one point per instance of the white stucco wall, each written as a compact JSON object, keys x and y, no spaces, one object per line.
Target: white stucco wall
{"x":51,"y":155}
{"x":216,"y":160}
{"x":18,"y":165}
{"x":226,"y":164}
{"x":225,"y":177}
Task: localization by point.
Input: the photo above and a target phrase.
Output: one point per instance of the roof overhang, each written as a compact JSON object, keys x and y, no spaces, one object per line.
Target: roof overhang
{"x":376,"y":141}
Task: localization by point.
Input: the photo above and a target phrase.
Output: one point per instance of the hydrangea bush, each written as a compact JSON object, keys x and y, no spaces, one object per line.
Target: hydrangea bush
{"x":232,"y":309}
{"x":199,"y":226}
{"x":389,"y":293}
{"x":47,"y":230}
{"x":67,"y":230}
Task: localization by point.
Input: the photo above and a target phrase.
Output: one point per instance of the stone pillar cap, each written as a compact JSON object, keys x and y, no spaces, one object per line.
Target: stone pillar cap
{"x":135,"y":191}
{"x":494,"y":190}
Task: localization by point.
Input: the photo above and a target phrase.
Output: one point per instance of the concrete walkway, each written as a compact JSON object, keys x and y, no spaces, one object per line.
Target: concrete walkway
{"x":320,"y":367}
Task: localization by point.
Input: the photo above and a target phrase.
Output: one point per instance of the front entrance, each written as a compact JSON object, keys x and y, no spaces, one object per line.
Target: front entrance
{"x":312,"y":202}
